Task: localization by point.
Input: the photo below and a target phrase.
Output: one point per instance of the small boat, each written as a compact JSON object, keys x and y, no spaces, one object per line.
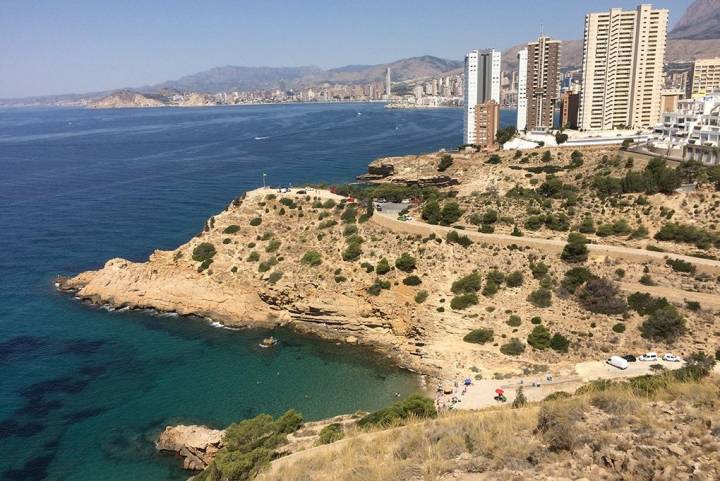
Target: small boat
{"x":269,"y":342}
{"x":261,"y":138}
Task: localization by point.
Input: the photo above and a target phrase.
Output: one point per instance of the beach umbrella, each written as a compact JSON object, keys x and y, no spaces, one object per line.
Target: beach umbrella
{"x":499,"y":392}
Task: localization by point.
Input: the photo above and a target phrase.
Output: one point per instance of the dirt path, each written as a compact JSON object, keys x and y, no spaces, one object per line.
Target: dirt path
{"x":556,"y":246}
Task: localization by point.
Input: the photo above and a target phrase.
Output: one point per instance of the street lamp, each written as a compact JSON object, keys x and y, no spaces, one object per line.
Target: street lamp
{"x":264,"y":175}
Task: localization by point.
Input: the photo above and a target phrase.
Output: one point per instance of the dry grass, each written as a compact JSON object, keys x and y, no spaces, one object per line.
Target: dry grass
{"x":611,"y":429}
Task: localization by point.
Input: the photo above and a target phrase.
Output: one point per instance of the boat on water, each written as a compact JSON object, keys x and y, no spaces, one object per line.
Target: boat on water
{"x":269,"y":342}
{"x":261,"y":138}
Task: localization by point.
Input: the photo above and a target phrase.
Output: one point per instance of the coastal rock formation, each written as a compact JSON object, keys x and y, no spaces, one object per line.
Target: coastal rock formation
{"x":124,"y":99}
{"x":409,"y":170}
{"x":197,"y":445}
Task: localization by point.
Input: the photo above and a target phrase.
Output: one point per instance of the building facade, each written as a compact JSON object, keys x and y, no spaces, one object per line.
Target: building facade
{"x":623,"y":55}
{"x":487,"y":120}
{"x":543,"y":82}
{"x":705,"y":77}
{"x":482,"y":83}
{"x":692,"y":131}
{"x":569,"y":108}
{"x":521,"y":123}
{"x":388,"y":83}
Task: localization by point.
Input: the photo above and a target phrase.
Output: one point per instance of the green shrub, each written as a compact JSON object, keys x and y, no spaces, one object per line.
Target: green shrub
{"x":231,"y":229}
{"x":273,"y":245}
{"x":679,"y":265}
{"x":204,"y":251}
{"x":516,"y":232}
{"x":275,"y":276}
{"x":368,"y":267}
{"x":383,"y":267}
{"x":536,"y":320}
{"x":227,"y":241}
{"x":327,"y":223}
{"x":496,"y":276}
{"x":454,"y":238}
{"x":412,"y":281}
{"x":352,"y":252}
{"x":311,"y":258}
{"x":469,"y":283}
{"x":576,"y":248}
{"x":255,"y":221}
{"x":645,"y":304}
{"x":463,"y":301}
{"x":514,"y":279}
{"x":690,"y":234}
{"x":540,"y":298}
{"x":486,"y":229}
{"x":619,"y":328}
{"x":328,"y":204}
{"x":349,"y":215}
{"x":514,"y":321}
{"x":647,"y":280}
{"x":350,"y":230}
{"x":254,"y":256}
{"x":267,"y":264}
{"x":539,"y":269}
{"x":479,"y":336}
{"x":665,"y":324}
{"x":493,"y":160}
{"x":421,"y":297}
{"x":331,"y":433}
{"x":378,"y":286}
{"x":574,"y":278}
{"x":416,"y":406}
{"x":513,"y":348}
{"x":600,"y":296}
{"x":340,"y":278}
{"x":450,"y":213}
{"x":559,"y":343}
{"x":490,"y":288}
{"x":587,"y":226}
{"x":445,"y":162}
{"x":539,"y":338}
{"x":405,"y":262}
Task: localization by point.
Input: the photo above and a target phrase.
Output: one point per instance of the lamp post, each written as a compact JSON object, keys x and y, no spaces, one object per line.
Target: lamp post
{"x":264,"y":175}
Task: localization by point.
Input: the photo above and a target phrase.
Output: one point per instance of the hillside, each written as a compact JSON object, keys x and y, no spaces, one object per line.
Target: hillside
{"x":701,"y":21}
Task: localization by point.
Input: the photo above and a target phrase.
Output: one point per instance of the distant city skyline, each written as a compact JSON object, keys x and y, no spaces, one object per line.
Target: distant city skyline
{"x":51,"y":47}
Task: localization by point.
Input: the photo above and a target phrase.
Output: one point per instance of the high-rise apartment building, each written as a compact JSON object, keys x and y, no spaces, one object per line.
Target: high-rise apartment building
{"x":569,"y":105}
{"x":521,"y":122}
{"x":388,"y":83}
{"x":705,"y":77}
{"x":487,"y":119}
{"x":482,"y":83}
{"x":623,"y":54}
{"x":543,"y":82}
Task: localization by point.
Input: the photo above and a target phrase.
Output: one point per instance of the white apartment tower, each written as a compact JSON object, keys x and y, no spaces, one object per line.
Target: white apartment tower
{"x":482,"y":83}
{"x":388,"y":83}
{"x":522,"y":90}
{"x":623,"y":55}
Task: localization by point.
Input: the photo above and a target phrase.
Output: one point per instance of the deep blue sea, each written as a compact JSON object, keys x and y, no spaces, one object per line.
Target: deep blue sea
{"x":84,"y":391}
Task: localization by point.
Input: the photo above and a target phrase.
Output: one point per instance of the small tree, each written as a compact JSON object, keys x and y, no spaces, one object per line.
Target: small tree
{"x":540,"y":298}
{"x":479,"y":336}
{"x":601,"y":297}
{"x":405,"y":262}
{"x":514,"y":279}
{"x":520,"y":399}
{"x":559,"y":343}
{"x":383,"y":266}
{"x":311,"y":258}
{"x":445,"y":161}
{"x":576,"y":249}
{"x":665,"y":324}
{"x":513,"y":348}
{"x":539,"y":338}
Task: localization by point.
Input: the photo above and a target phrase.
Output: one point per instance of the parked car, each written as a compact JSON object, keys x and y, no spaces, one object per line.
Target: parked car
{"x":629,"y":358}
{"x":649,"y":356}
{"x":301,"y":192}
{"x":618,"y":362}
{"x":670,"y":358}
{"x":378,"y":207}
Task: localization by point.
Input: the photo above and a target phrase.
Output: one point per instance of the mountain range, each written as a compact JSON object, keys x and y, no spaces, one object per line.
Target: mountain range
{"x":696,"y":35}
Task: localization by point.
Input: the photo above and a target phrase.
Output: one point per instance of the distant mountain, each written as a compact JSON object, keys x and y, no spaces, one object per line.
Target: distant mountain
{"x":701,"y":21}
{"x":230,"y":77}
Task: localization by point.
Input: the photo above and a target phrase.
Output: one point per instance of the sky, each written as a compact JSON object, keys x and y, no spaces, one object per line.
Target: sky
{"x":74,"y":46}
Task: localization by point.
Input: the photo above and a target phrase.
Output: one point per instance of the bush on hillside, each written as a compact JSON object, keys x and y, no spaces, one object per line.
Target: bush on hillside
{"x":600,"y":296}
{"x":559,"y":343}
{"x":421,"y":296}
{"x":412,"y":281}
{"x":463,"y":301}
{"x":255,"y":221}
{"x":645,"y":304}
{"x":331,"y":433}
{"x":445,"y":161}
{"x":513,"y":348}
{"x":454,"y":238}
{"x":231,"y":229}
{"x":203,"y":252}
{"x":540,"y":298}
{"x":405,"y":262}
{"x":665,"y":324}
{"x":383,"y":266}
{"x":311,"y":258}
{"x":414,"y":406}
{"x":576,"y":249}
{"x":539,"y":338}
{"x":514,"y":279}
{"x":679,"y":265}
{"x":469,"y":283}
{"x":574,"y":278}
{"x":480,"y":336}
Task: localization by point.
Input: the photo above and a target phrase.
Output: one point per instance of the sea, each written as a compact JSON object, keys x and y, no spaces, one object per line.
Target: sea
{"x":84,"y":390}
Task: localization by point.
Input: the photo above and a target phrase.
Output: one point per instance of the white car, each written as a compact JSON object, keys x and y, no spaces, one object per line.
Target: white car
{"x":648,"y":356}
{"x":618,"y":362}
{"x":670,"y":358}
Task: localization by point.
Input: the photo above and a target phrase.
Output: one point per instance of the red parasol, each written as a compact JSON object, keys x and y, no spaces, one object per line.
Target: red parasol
{"x":499,"y":392}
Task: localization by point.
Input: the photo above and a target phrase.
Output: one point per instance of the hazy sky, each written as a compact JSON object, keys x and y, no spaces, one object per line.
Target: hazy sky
{"x":62,"y":46}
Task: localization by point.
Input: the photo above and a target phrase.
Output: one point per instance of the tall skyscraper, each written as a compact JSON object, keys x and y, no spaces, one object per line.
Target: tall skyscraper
{"x":482,"y":83}
{"x":543,"y":82}
{"x":705,"y":77}
{"x":487,"y":118}
{"x":388,"y":83}
{"x":623,"y":56}
{"x":521,"y":122}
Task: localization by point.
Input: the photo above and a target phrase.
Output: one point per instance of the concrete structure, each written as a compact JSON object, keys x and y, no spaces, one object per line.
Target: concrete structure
{"x":569,"y":108}
{"x":521,"y":123}
{"x":623,"y":54}
{"x":543,"y":82}
{"x":669,"y":99}
{"x":692,"y":132}
{"x":705,"y":77}
{"x":388,"y":83}
{"x":487,"y":121}
{"x":482,"y":83}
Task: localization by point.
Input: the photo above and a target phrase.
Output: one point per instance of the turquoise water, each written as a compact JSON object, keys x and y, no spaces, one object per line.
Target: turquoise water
{"x":83,"y":391}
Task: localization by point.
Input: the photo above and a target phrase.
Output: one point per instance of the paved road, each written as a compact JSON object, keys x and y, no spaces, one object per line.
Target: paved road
{"x":553,"y":245}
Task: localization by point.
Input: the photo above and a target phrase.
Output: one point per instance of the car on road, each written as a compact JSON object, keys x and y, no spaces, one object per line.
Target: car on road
{"x":301,"y":192}
{"x":629,"y":358}
{"x":670,"y":358}
{"x":649,"y":356}
{"x":618,"y":362}
{"x":378,"y":207}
